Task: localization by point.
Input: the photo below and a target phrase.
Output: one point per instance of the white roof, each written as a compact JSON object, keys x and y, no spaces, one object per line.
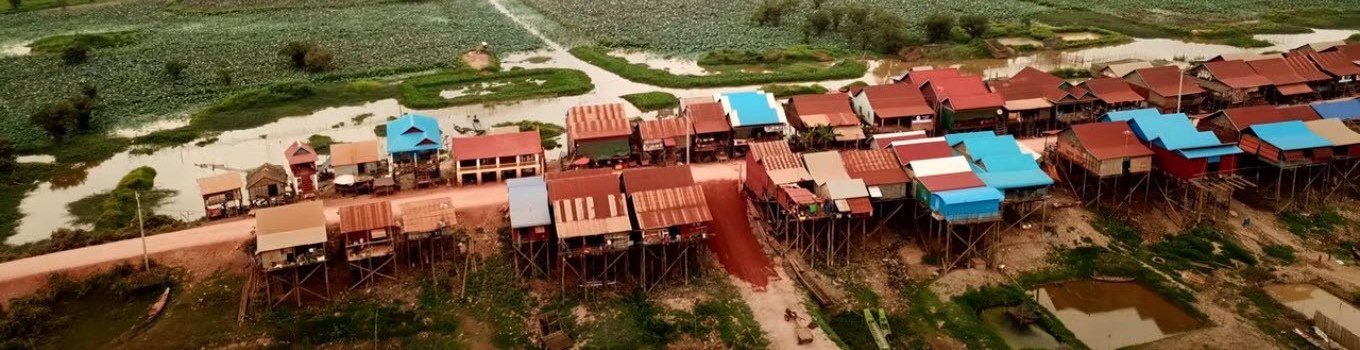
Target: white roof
{"x":825,"y":166}
{"x":845,"y":189}
{"x":898,"y":134}
{"x":940,"y":166}
{"x":916,"y":141}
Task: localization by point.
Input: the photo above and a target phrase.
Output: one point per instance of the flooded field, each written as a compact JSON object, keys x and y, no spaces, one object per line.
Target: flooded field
{"x":1110,"y":315}
{"x":1309,"y":300}
{"x":1018,"y":336}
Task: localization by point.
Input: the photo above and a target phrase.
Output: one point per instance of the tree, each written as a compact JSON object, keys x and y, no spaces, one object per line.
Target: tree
{"x":85,"y":104}
{"x":76,"y":54}
{"x":8,"y":159}
{"x":56,"y":119}
{"x":175,"y":69}
{"x":975,"y":25}
{"x":296,"y":52}
{"x":938,"y":28}
{"x":819,"y":22}
{"x":318,"y":59}
{"x":771,"y":12}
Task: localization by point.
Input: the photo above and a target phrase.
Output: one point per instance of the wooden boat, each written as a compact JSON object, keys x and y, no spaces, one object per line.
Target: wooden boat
{"x":159,"y":305}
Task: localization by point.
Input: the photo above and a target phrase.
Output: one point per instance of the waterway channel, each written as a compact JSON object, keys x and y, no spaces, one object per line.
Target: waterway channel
{"x":1112,"y":315}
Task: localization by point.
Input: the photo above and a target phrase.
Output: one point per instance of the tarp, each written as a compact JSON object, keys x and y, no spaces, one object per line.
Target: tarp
{"x":528,"y":202}
{"x":1289,"y":135}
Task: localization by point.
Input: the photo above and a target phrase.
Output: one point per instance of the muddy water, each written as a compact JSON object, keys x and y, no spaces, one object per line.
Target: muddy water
{"x":1018,"y":336}
{"x":1308,"y":300}
{"x":1108,"y":315}
{"x":15,"y":49}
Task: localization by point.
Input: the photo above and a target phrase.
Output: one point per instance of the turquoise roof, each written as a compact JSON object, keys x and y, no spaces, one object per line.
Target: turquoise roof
{"x":1289,"y":135}
{"x":413,"y":133}
{"x":1172,"y":132}
{"x":968,"y":203}
{"x":1123,"y":116}
{"x":752,"y":108}
{"x":999,"y":162}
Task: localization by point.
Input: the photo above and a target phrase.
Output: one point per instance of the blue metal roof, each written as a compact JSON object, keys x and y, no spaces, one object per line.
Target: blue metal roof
{"x":1123,"y":116}
{"x":413,"y":133}
{"x":1172,"y":132}
{"x":751,"y":108}
{"x":528,"y":202}
{"x":1345,"y":110}
{"x":999,"y":162}
{"x":1208,"y":152}
{"x":1289,"y":135}
{"x":969,"y":203}
{"x":955,"y":139}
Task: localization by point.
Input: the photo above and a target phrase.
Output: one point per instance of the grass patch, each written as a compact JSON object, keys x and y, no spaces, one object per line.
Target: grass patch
{"x":845,"y":69}
{"x":1281,"y":252}
{"x":1200,"y":248}
{"x":34,"y":5}
{"x":773,"y":56}
{"x":195,"y":318}
{"x":1324,"y":223}
{"x":512,"y":85}
{"x":786,"y":90}
{"x":635,"y":322}
{"x":321,"y":143}
{"x":652,"y":101}
{"x":59,"y":43}
{"x":976,"y":300}
{"x":1318,"y":18}
{"x":547,"y":132}
{"x":83,"y":149}
{"x":1121,"y":231}
{"x":1081,"y":18}
{"x":99,"y":309}
{"x":1272,"y":317}
{"x":86,"y":210}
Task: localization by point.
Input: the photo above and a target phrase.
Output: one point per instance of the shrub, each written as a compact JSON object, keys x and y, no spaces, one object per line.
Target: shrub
{"x":296,"y":52}
{"x":321,"y":143}
{"x":939,"y":27}
{"x":651,"y":101}
{"x":76,"y":54}
{"x":175,"y":69}
{"x":14,"y":5}
{"x":57,"y":119}
{"x":319,"y":59}
{"x":975,"y":25}
{"x":273,"y":94}
{"x":786,"y":90}
{"x":1282,"y":252}
{"x":8,"y":158}
{"x":223,"y":74}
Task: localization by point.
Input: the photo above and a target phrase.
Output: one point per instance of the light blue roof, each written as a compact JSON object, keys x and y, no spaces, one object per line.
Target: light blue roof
{"x":528,"y":202}
{"x":1208,"y":152}
{"x":969,"y":203}
{"x":955,"y":139}
{"x":1289,"y":135}
{"x":1123,"y":116}
{"x":752,"y":108}
{"x":1345,"y":110}
{"x":413,"y":133}
{"x":999,"y":162}
{"x":1172,"y":132}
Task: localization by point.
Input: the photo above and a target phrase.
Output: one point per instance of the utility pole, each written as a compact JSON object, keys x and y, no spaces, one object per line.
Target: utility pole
{"x":1180,"y":90}
{"x":141,"y":226}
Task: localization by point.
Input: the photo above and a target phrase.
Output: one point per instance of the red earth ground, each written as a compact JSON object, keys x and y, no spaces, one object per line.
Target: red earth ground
{"x":733,"y":243}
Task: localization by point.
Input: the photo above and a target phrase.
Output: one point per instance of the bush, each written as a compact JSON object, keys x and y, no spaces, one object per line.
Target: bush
{"x":938,"y":28}
{"x":318,"y":59}
{"x":57,"y":119}
{"x":651,"y":101}
{"x":786,"y":90}
{"x":223,"y":73}
{"x":272,"y":94}
{"x":1282,"y":252}
{"x":321,"y":143}
{"x":975,"y":25}
{"x":175,"y":69}
{"x":76,"y":54}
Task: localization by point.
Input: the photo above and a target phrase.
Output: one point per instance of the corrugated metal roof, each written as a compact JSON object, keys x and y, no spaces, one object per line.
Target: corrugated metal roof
{"x":1208,"y":152}
{"x":1122,"y":69}
{"x":655,"y":178}
{"x":751,"y":108}
{"x":914,"y":150}
{"x":860,"y":206}
{"x":597,"y":122}
{"x":896,"y":101}
{"x":289,"y":226}
{"x":946,"y":182}
{"x":798,"y":195}
{"x":1294,"y":89}
{"x":848,"y":133}
{"x":977,"y":194}
{"x":1112,"y":90}
{"x":846,"y":188}
{"x":366,"y":217}
{"x":1110,"y":140}
{"x":559,"y":175}
{"x":1334,"y":130}
{"x":1344,"y":110}
{"x":940,"y":166}
{"x":1127,"y":115}
{"x":496,"y":145}
{"x":1306,"y":68}
{"x":1169,"y":81}
{"x":413,"y":133}
{"x":1172,"y":132}
{"x":220,"y":183}
{"x":921,"y":77}
{"x":1031,"y":75}
{"x":1299,"y":112}
{"x":1028,"y":104}
{"x":1245,"y":117}
{"x":882,"y":141}
{"x":831,"y":109}
{"x":1236,"y":74}
{"x":588,"y":205}
{"x":677,"y":128}
{"x":354,"y":153}
{"x":825,"y":166}
{"x":965,"y":93}
{"x":428,"y":215}
{"x":1289,"y":135}
{"x":978,"y":101}
{"x":528,"y":202}
{"x":1335,"y":63}
{"x":299,"y":153}
{"x":874,"y":166}
{"x":266,"y":174}
{"x":669,"y":207}
{"x":774,"y":155}
{"x":708,"y":117}
{"x":1277,"y":70}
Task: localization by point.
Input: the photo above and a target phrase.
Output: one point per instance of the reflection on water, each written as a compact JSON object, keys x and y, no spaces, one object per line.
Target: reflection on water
{"x":1078,"y":36}
{"x":1308,"y":300}
{"x":1110,"y":315}
{"x":669,"y":64}
{"x":1018,"y":336}
{"x":150,"y":127}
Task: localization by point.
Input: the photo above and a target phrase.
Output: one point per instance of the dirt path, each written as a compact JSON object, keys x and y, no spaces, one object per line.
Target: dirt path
{"x":768,"y":306}
{"x":733,"y":241}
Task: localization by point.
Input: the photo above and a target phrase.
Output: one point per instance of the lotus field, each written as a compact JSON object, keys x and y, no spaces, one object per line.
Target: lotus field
{"x":369,"y":40}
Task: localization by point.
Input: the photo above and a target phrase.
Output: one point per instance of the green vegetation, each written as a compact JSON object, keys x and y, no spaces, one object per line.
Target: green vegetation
{"x":196,"y":318}
{"x":1121,"y":231}
{"x":515,"y":84}
{"x":1322,"y":223}
{"x":547,"y":132}
{"x":651,"y":101}
{"x":636,"y":322}
{"x":786,"y":90}
{"x":600,"y":57}
{"x":774,"y":56}
{"x":1281,"y":252}
{"x":976,"y":300}
{"x":321,"y":143}
{"x":105,"y":40}
{"x":1202,"y":248}
{"x":100,"y":308}
{"x":1273,"y":318}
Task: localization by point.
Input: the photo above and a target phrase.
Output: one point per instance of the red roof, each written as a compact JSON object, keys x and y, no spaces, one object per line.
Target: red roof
{"x":921,"y":77}
{"x":708,"y":117}
{"x":496,"y":145}
{"x":1032,"y":76}
{"x":881,"y":142}
{"x":366,"y":217}
{"x":1300,"y":112}
{"x":946,"y":182}
{"x":1110,"y":140}
{"x":1350,"y":50}
{"x":1294,"y":89}
{"x":577,"y":173}
{"x":922,"y":150}
{"x":980,"y":101}
{"x":664,"y":129}
{"x":860,"y":205}
{"x":1168,"y":81}
{"x":1305,"y":68}
{"x":775,"y":155}
{"x":965,"y":93}
{"x":831,"y":109}
{"x":798,"y":195}
{"x":669,"y":207}
{"x":1335,"y":63}
{"x":300,"y":153}
{"x":1236,"y":74}
{"x":598,"y":185}
{"x":874,"y":166}
{"x":896,"y":101}
{"x":1245,"y":117}
{"x":597,"y":122}
{"x":655,"y":178}
{"x":1017,"y":92}
{"x":1277,"y":70}
{"x":1112,"y":90}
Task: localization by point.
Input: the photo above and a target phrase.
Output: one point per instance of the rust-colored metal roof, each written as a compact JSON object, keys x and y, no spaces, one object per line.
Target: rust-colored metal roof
{"x":1305,"y":68}
{"x":874,"y":166}
{"x":775,"y":155}
{"x":588,"y":205}
{"x":1110,"y":140}
{"x":1300,"y":112}
{"x":597,"y":122}
{"x":655,"y":178}
{"x":946,"y":182}
{"x":1112,"y":90}
{"x":300,"y":153}
{"x":669,"y":207}
{"x":1032,"y":76}
{"x":428,"y":215}
{"x":577,"y":173}
{"x":831,"y":109}
{"x":1335,"y":63}
{"x":1245,"y":117}
{"x":924,"y":149}
{"x":668,"y":128}
{"x":921,"y":77}
{"x":496,"y":145}
{"x":708,"y":117}
{"x":227,"y":182}
{"x":354,"y":153}
{"x":860,"y":205}
{"x":1236,"y":74}
{"x":366,"y":217}
{"x":896,"y":101}
{"x":1168,"y":81}
{"x":882,"y":141}
{"x":1277,"y":70}
{"x":798,"y":195}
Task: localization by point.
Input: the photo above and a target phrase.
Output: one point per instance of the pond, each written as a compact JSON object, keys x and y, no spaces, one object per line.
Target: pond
{"x":1017,"y":336}
{"x":1110,"y":315}
{"x":1309,"y":300}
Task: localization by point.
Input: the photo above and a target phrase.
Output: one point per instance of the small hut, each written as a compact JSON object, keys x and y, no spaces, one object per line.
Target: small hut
{"x":367,"y":231}
{"x":425,"y":225}
{"x":290,"y":250}
{"x":221,"y":195}
{"x":302,"y":162}
{"x":268,"y":186}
